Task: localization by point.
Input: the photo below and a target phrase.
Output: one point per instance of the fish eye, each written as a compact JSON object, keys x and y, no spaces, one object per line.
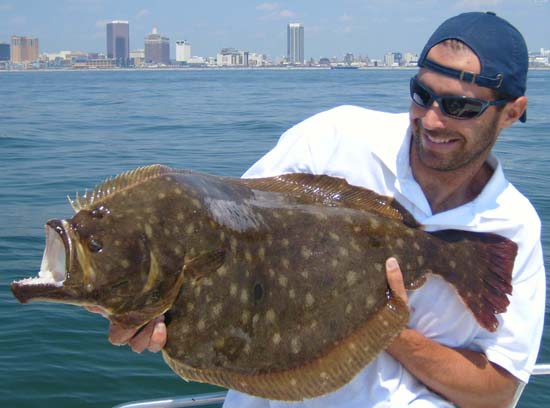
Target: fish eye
{"x":258,"y":292}
{"x":95,"y":245}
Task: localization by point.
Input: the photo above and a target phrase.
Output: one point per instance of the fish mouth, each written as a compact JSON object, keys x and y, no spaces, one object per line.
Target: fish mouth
{"x":53,"y":269}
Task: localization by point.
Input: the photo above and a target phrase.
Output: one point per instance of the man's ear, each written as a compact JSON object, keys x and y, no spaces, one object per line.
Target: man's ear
{"x":513,"y":111}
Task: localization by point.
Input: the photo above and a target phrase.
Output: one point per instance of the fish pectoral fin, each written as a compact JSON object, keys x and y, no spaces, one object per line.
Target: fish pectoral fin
{"x":204,"y":264}
{"x":335,"y":191}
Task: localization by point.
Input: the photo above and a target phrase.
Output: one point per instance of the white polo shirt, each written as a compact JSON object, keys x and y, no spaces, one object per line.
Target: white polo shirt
{"x":371,"y":149}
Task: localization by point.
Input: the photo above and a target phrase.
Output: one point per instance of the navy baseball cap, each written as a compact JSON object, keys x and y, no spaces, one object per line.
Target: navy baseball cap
{"x":499,"y":46}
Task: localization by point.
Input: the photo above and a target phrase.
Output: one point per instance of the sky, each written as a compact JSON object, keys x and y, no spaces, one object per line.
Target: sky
{"x":332,"y":28}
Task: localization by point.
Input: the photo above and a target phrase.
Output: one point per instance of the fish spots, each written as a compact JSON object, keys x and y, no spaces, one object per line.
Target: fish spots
{"x":244,"y":297}
{"x":351,"y":278}
{"x":201,"y":325}
{"x":222,"y":271}
{"x":306,"y":253}
{"x":420,"y":260}
{"x":285,"y":263}
{"x":400,"y":243}
{"x":180,"y":216}
{"x":374,"y":223}
{"x":285,"y":243}
{"x":233,"y":289}
{"x":304,"y":274}
{"x":416,"y":246}
{"x":334,"y":236}
{"x":292,"y":294}
{"x":310,"y":300}
{"x":190,"y":307}
{"x":355,"y":246}
{"x":178,"y":191}
{"x":161,"y":196}
{"x":452,"y":264}
{"x":283,"y":281}
{"x":293,"y":382}
{"x":248,"y":256}
{"x":216,"y":310}
{"x":124,"y":263}
{"x":334,"y":263}
{"x":245,"y":317}
{"x":378,"y":267}
{"x":276,"y":339}
{"x":196,"y":203}
{"x":261,"y":253}
{"x":148,"y":231}
{"x":255,"y":319}
{"x":343,"y":252}
{"x":270,"y":316}
{"x":190,"y":229}
{"x":295,"y":345}
{"x":349,"y":308}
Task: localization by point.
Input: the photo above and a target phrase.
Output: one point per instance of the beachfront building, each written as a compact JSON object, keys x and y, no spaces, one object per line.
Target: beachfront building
{"x":23,"y":49}
{"x":295,"y":43}
{"x":137,"y":57}
{"x":4,"y":52}
{"x":183,"y":51}
{"x":230,"y":57}
{"x":118,"y":42}
{"x":157,"y":48}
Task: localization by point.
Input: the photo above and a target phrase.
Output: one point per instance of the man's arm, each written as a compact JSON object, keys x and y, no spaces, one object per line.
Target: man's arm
{"x":464,"y":377}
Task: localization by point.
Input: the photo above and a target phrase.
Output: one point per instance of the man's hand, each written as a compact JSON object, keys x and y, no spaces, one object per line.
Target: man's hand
{"x":150,"y":337}
{"x":395,"y":279}
{"x":464,"y":377}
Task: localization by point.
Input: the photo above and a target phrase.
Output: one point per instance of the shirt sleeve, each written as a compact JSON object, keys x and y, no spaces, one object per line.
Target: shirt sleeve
{"x":515,"y":345}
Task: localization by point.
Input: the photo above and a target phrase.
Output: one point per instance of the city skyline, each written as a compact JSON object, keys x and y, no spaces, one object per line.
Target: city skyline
{"x":360,"y":27}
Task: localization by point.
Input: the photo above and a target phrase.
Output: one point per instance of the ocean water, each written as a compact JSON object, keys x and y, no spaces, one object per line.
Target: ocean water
{"x":62,"y":132}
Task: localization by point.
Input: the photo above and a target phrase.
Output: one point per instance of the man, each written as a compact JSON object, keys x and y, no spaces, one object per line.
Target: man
{"x":437,"y":162}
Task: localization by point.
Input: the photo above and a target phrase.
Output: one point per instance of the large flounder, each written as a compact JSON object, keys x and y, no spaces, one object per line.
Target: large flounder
{"x":275,"y":287}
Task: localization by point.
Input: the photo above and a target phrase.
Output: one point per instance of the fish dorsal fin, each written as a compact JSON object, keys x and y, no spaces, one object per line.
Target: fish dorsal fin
{"x":333,"y":191}
{"x":113,"y":185}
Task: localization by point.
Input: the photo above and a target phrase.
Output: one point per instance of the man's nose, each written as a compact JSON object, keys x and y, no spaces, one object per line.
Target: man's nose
{"x":433,"y":118}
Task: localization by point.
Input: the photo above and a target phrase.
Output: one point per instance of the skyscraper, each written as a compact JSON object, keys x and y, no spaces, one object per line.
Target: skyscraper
{"x":157,"y":48}
{"x":295,"y":43}
{"x":4,"y":52}
{"x":183,"y":51}
{"x":118,"y":41}
{"x":24,"y":49}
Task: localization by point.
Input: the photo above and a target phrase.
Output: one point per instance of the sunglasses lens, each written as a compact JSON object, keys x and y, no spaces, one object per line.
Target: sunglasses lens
{"x":463,"y":108}
{"x":419,"y":95}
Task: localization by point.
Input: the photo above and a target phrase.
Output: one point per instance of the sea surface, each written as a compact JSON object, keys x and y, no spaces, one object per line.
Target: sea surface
{"x":62,"y":132}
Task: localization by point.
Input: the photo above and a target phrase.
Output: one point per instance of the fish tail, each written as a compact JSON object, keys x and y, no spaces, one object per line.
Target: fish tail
{"x":480,"y":268}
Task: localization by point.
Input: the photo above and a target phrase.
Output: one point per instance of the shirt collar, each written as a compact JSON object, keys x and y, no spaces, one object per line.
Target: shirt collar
{"x":395,"y":155}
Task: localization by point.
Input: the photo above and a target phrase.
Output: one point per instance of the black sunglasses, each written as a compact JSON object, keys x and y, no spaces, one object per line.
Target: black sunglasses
{"x":457,"y":107}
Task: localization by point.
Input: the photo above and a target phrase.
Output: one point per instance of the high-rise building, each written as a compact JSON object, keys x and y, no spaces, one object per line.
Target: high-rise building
{"x":24,"y":49}
{"x":183,"y":51}
{"x":4,"y":52}
{"x":157,"y":48}
{"x":118,"y":41}
{"x":295,"y":43}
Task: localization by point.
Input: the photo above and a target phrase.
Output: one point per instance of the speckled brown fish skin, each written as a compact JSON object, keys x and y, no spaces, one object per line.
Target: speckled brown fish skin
{"x":275,"y":287}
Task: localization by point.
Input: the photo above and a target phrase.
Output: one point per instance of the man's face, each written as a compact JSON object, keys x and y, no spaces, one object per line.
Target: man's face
{"x":444,"y":143}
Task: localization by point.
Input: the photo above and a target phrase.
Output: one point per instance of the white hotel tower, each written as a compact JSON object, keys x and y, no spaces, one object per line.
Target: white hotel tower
{"x":183,"y":51}
{"x":295,"y":43}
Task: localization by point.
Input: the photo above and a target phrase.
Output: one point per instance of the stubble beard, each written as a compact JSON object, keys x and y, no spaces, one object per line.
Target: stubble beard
{"x":480,"y":147}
